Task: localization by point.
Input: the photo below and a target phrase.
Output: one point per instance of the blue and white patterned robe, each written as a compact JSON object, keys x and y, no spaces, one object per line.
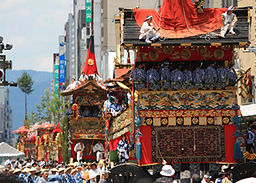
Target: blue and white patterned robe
{"x":22,"y":177}
{"x":123,"y":149}
{"x":29,"y":179}
{"x":222,"y":77}
{"x":187,"y":80}
{"x":36,"y":179}
{"x":231,"y":76}
{"x":198,"y":78}
{"x":176,"y":79}
{"x":210,"y":77}
{"x":61,"y":177}
{"x":153,"y":78}
{"x":115,"y":109}
{"x":140,"y":77}
{"x":78,"y":178}
{"x":69,"y":179}
{"x":165,"y":77}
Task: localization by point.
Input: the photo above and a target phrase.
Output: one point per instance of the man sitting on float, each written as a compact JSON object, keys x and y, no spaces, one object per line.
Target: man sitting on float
{"x":228,"y":22}
{"x":83,"y":78}
{"x":147,"y":31}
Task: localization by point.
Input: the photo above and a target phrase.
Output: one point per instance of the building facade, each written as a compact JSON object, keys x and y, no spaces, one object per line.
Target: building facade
{"x":6,"y":118}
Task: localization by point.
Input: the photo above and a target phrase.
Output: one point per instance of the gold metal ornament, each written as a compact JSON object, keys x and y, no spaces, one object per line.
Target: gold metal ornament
{"x":153,"y":55}
{"x":195,"y":121}
{"x":225,"y":120}
{"x":149,"y":121}
{"x":164,"y":121}
{"x":179,"y":121}
{"x":210,"y":121}
{"x":167,"y":50}
{"x":201,"y":50}
{"x":219,"y":53}
{"x":185,"y":54}
{"x":90,"y":61}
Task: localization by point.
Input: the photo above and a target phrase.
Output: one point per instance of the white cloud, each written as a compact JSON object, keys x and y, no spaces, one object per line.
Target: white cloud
{"x":18,"y":41}
{"x":8,"y":4}
{"x":23,"y":12}
{"x":33,"y":27}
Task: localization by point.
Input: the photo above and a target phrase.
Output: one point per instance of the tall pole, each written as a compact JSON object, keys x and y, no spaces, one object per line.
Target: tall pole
{"x":92,"y":31}
{"x":25,"y":106}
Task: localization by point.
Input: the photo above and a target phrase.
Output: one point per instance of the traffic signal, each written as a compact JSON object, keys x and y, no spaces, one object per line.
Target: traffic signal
{"x":1,"y":74}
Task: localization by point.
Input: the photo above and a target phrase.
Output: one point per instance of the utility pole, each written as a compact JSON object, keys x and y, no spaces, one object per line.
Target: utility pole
{"x":92,"y":29}
{"x":5,"y":64}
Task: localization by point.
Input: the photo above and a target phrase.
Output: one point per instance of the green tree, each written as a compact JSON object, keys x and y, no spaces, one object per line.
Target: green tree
{"x":25,"y":84}
{"x":51,"y":108}
{"x":32,"y":118}
{"x":64,"y":138}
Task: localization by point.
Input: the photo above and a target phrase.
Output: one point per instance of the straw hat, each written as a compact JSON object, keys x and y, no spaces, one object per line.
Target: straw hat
{"x":94,"y":163}
{"x":167,"y":170}
{"x":25,"y":170}
{"x":54,"y":170}
{"x":67,"y":169}
{"x":61,"y":169}
{"x":74,"y":170}
{"x":32,"y":169}
{"x":17,"y":171}
{"x":44,"y":170}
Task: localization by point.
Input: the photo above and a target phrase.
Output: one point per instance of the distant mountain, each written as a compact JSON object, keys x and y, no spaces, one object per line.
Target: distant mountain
{"x":17,"y":97}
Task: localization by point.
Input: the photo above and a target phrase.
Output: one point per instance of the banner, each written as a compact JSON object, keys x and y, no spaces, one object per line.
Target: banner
{"x":88,"y":12}
{"x":56,"y":78}
{"x":62,"y":68}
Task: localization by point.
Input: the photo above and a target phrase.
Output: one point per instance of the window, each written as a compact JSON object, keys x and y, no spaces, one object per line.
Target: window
{"x":87,"y":31}
{"x":87,"y":43}
{"x":226,"y":3}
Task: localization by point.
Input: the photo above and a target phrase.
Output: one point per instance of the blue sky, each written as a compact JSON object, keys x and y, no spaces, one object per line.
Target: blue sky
{"x":33,"y":27}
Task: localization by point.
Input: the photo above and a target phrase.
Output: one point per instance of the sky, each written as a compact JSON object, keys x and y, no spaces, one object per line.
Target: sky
{"x":33,"y":27}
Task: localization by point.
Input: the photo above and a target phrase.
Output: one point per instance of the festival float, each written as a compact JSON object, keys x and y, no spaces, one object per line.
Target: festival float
{"x":41,"y":141}
{"x":193,"y":130}
{"x":89,"y":95}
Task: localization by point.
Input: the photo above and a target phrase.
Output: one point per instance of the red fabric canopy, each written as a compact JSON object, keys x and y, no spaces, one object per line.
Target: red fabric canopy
{"x":46,"y":125}
{"x":179,"y":19}
{"x":21,"y":129}
{"x":57,"y":129}
{"x":90,"y":64}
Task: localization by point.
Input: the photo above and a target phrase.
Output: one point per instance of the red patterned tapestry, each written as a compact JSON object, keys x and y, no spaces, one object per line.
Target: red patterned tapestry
{"x":188,"y":144}
{"x":182,"y":53}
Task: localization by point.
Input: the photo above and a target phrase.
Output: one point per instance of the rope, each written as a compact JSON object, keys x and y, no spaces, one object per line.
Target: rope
{"x":186,"y":19}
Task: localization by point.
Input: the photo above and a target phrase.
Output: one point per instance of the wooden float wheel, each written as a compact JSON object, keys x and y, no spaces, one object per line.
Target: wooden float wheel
{"x":129,"y":173}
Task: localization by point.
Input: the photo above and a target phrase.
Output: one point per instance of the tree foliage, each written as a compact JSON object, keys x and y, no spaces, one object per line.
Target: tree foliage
{"x":32,"y":118}
{"x":51,"y":108}
{"x":25,"y":83}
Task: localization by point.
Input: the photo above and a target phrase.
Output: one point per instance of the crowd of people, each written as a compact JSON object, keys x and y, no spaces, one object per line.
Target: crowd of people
{"x":34,"y":171}
{"x":168,"y":176}
{"x":114,"y":106}
{"x":85,"y":111}
{"x":188,"y":75}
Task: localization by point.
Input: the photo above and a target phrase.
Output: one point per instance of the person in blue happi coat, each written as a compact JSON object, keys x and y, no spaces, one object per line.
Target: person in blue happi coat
{"x":222,"y":75}
{"x":153,"y":78}
{"x":187,"y":82}
{"x":139,"y":75}
{"x":123,"y":150}
{"x":165,"y":75}
{"x":231,"y":73}
{"x":176,"y":76}
{"x":198,"y":76}
{"x":210,"y":75}
{"x":115,"y":108}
